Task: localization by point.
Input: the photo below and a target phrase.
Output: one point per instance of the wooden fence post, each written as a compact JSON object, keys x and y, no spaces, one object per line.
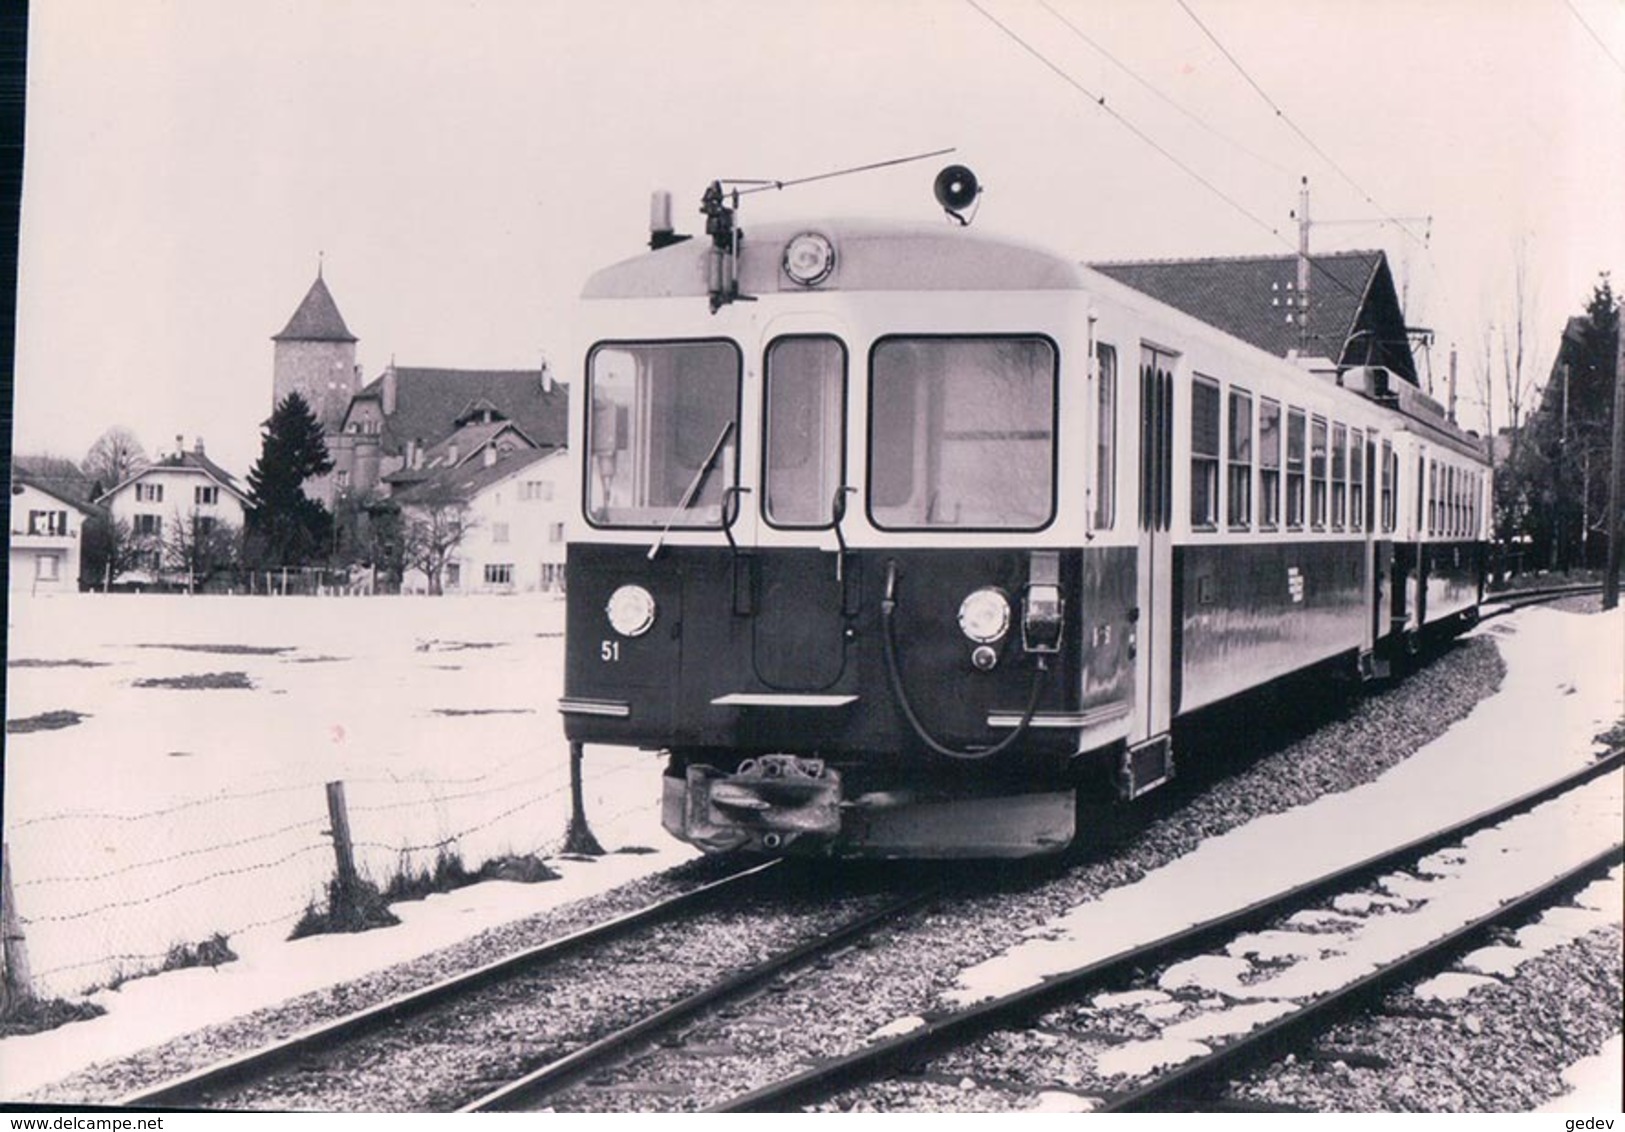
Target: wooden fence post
{"x":345,"y":905}
{"x":17,"y":984}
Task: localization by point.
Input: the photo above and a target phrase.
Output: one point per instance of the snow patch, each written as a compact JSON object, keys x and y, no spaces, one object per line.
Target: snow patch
{"x":1136,"y":1059}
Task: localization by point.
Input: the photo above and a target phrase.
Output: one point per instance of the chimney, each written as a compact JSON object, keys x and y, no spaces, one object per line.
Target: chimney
{"x":391,"y":390}
{"x":197,"y":446}
{"x":547,"y":377}
{"x":414,"y":454}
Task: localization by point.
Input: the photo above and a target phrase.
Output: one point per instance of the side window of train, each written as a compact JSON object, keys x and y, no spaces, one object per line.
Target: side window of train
{"x":1356,"y":480}
{"x":1204,"y":453}
{"x":1296,"y":425}
{"x":805,"y":384}
{"x":1106,"y":439}
{"x":1240,"y":478}
{"x":1269,"y":464}
{"x":1390,"y":469}
{"x":1433,"y":498}
{"x":1317,"y":474}
{"x":1340,"y":475}
{"x":962,"y":433}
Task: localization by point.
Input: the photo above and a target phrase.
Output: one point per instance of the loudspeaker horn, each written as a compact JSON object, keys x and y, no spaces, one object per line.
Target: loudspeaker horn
{"x":955,"y":187}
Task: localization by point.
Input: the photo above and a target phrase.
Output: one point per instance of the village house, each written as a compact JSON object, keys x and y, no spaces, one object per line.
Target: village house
{"x":47,"y":528}
{"x":173,"y":504}
{"x":500,"y":519}
{"x":437,"y":442}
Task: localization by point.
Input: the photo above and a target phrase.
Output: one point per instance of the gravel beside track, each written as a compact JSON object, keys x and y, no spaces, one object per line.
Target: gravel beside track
{"x":906,"y":972}
{"x":1502,"y":1048}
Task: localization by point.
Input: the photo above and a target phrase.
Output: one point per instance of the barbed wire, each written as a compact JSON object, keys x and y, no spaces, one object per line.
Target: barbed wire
{"x":123,"y":957}
{"x":173,"y":857}
{"x":150,"y":897}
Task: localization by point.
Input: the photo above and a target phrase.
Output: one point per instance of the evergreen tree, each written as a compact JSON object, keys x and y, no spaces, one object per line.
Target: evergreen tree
{"x":284,"y":526}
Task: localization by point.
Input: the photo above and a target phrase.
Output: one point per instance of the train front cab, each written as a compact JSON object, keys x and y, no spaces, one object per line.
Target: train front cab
{"x":834,"y":558}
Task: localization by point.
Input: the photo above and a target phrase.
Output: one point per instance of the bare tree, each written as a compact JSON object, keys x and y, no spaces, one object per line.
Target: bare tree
{"x":1518,"y":381}
{"x":198,"y":545}
{"x":433,"y":525}
{"x":114,"y":458}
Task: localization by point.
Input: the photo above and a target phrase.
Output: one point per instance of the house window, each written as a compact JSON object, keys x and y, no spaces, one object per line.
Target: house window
{"x":555,"y":532}
{"x":538,"y":490}
{"x":1106,"y":440}
{"x":1295,"y":428}
{"x":499,"y":574}
{"x":47,"y":522}
{"x":1269,"y":464}
{"x":149,"y":493}
{"x":1357,"y":480}
{"x":1317,"y":474}
{"x":204,"y":496}
{"x":1204,"y":453}
{"x":149,"y":524}
{"x":206,"y":525}
{"x":46,"y":567}
{"x":454,"y":575}
{"x":341,"y":479}
{"x":1340,"y":475}
{"x":499,"y":532}
{"x":1241,"y":460}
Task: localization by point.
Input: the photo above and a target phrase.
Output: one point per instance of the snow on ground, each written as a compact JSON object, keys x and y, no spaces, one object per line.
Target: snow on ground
{"x":1564,"y":685}
{"x":172,"y":813}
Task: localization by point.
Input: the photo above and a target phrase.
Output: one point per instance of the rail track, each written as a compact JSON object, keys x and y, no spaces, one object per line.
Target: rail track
{"x":907,"y":1053}
{"x":531,"y":1078}
{"x":289,"y":1073}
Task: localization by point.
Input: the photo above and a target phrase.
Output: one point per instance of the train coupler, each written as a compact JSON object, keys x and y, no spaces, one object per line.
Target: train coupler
{"x":767,"y":803}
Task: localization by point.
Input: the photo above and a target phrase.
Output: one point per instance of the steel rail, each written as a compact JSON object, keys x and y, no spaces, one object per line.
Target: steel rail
{"x":1280,"y":1036}
{"x":550,"y":1078}
{"x":961,"y":1027}
{"x":236,"y":1070}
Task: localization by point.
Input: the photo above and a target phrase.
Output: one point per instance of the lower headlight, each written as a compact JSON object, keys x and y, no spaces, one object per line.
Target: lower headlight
{"x":631,"y":611}
{"x":984,"y":615}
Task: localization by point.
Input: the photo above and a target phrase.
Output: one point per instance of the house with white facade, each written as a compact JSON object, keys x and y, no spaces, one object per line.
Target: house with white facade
{"x":509,"y":508}
{"x":173,"y":504}
{"x":47,"y":529}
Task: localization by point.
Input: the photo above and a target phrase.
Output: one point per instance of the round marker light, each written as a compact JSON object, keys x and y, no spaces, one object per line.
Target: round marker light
{"x":631,"y":611}
{"x":984,"y":616}
{"x":809,"y":258}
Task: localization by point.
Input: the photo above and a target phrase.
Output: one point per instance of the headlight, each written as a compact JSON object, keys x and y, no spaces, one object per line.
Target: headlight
{"x":809,"y":258}
{"x":631,"y":611}
{"x":984,"y":616}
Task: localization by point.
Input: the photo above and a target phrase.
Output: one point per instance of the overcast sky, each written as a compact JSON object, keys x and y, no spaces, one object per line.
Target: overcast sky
{"x":460,"y":167}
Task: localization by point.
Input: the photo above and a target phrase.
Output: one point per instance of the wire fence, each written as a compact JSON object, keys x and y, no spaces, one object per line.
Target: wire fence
{"x":102,"y":896}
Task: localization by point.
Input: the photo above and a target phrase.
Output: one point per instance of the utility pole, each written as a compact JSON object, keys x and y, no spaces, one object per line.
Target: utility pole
{"x":1616,"y":476}
{"x":1452,"y":383}
{"x":1303,"y":267}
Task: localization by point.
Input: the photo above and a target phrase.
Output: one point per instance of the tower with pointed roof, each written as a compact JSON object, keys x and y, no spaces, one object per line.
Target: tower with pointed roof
{"x":315,"y":357}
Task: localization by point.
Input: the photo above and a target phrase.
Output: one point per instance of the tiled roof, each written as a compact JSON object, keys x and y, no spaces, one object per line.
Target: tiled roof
{"x":55,"y":489}
{"x":1350,"y":294}
{"x":429,"y":402}
{"x":317,"y":319}
{"x":194,"y":460}
{"x":469,"y":440}
{"x":466,"y":481}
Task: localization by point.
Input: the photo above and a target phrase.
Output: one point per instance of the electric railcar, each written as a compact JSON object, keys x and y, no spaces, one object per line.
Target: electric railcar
{"x":891,"y":537}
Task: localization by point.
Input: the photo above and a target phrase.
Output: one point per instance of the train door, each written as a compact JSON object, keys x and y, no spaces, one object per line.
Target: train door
{"x":799,"y":591}
{"x":1155,"y":658}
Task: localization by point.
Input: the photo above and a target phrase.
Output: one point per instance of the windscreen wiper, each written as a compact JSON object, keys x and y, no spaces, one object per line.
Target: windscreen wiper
{"x":687,"y":500}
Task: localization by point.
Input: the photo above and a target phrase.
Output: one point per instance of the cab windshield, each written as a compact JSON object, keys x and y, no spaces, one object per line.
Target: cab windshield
{"x":962,"y":433}
{"x":662,"y":433}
